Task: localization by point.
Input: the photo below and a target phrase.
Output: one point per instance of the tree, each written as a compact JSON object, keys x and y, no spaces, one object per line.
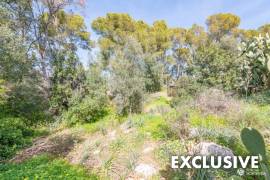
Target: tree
{"x":215,"y":66}
{"x":26,"y":100}
{"x":14,"y":64}
{"x":222,"y":24}
{"x":88,"y":103}
{"x":184,"y":44}
{"x":68,"y":76}
{"x":3,"y":91}
{"x":154,"y":40}
{"x":196,"y":36}
{"x":126,"y":82}
{"x":45,"y":27}
{"x":40,"y":41}
{"x":113,"y":29}
{"x":264,"y":29}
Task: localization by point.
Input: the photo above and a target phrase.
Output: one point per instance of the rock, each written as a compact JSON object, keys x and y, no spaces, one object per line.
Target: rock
{"x":96,"y":152}
{"x":127,"y":131}
{"x":126,"y":127}
{"x":194,"y":132}
{"x":112,"y":135}
{"x":147,"y":170}
{"x":211,"y":149}
{"x":148,"y":149}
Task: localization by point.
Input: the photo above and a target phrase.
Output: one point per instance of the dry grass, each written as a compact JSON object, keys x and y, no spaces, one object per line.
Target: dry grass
{"x":214,"y":101}
{"x":59,"y":144}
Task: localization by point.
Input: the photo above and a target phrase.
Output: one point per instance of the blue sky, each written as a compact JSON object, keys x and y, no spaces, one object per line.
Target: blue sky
{"x":179,"y":13}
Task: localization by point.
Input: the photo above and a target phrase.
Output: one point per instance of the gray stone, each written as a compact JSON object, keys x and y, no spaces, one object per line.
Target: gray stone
{"x":211,"y":149}
{"x":146,"y":170}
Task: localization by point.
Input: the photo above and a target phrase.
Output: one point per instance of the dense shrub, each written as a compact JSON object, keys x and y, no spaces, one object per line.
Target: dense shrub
{"x":89,"y":103}
{"x":213,"y":65}
{"x":88,"y":110}
{"x":27,"y":100}
{"x":68,"y":76}
{"x":186,"y":88}
{"x":262,"y":98}
{"x":13,"y":135}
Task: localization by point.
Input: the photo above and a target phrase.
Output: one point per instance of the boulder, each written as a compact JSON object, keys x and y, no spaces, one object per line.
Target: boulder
{"x":211,"y":149}
{"x":147,"y":170}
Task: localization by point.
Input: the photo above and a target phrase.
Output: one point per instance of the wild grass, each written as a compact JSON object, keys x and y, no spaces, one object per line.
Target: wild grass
{"x":152,"y":125}
{"x":110,"y":120}
{"x":44,"y":167}
{"x":157,"y":105}
{"x":170,"y":127}
{"x":206,"y":121}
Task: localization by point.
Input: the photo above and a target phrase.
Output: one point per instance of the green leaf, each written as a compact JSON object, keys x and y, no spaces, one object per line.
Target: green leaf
{"x":253,"y":142}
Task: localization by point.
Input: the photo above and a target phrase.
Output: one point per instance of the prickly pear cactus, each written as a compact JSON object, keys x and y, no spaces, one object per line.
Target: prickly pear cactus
{"x":254,"y":142}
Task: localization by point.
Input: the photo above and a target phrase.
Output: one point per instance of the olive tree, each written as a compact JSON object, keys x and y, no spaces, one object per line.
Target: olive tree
{"x":126,"y":78}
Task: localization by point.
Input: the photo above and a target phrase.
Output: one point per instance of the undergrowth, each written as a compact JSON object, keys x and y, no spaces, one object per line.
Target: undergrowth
{"x":44,"y":167}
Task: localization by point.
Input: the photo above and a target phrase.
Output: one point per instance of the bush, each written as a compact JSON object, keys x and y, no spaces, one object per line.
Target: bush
{"x":89,"y":103}
{"x":214,"y":101}
{"x":13,"y":135}
{"x":88,"y":110}
{"x":27,"y":100}
{"x":186,"y":88}
{"x":262,"y":98}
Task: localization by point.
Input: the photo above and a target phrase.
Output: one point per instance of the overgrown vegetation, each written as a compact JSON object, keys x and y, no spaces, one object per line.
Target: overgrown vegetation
{"x":43,"y":167}
{"x":119,"y":102}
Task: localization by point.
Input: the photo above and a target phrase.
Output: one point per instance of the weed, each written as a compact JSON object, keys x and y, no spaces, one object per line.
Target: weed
{"x":44,"y":167}
{"x":117,"y":144}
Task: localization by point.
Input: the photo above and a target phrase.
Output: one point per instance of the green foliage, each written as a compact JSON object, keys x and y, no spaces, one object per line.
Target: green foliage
{"x":126,"y":82}
{"x":261,"y":98}
{"x":3,"y":91}
{"x":254,"y":143}
{"x":222,"y":24}
{"x":209,"y":121}
{"x":215,"y":66}
{"x":14,"y":134}
{"x":154,"y":40}
{"x":186,"y":88}
{"x":89,"y":103}
{"x":264,"y":29}
{"x":153,"y":125}
{"x":43,"y":167}
{"x":110,"y":119}
{"x":253,"y":115}
{"x":170,"y":148}
{"x":88,"y":110}
{"x":157,"y":105}
{"x":13,"y":60}
{"x":68,"y":76}
{"x":69,"y":26}
{"x":255,"y":64}
{"x":26,"y":100}
{"x":152,"y":76}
